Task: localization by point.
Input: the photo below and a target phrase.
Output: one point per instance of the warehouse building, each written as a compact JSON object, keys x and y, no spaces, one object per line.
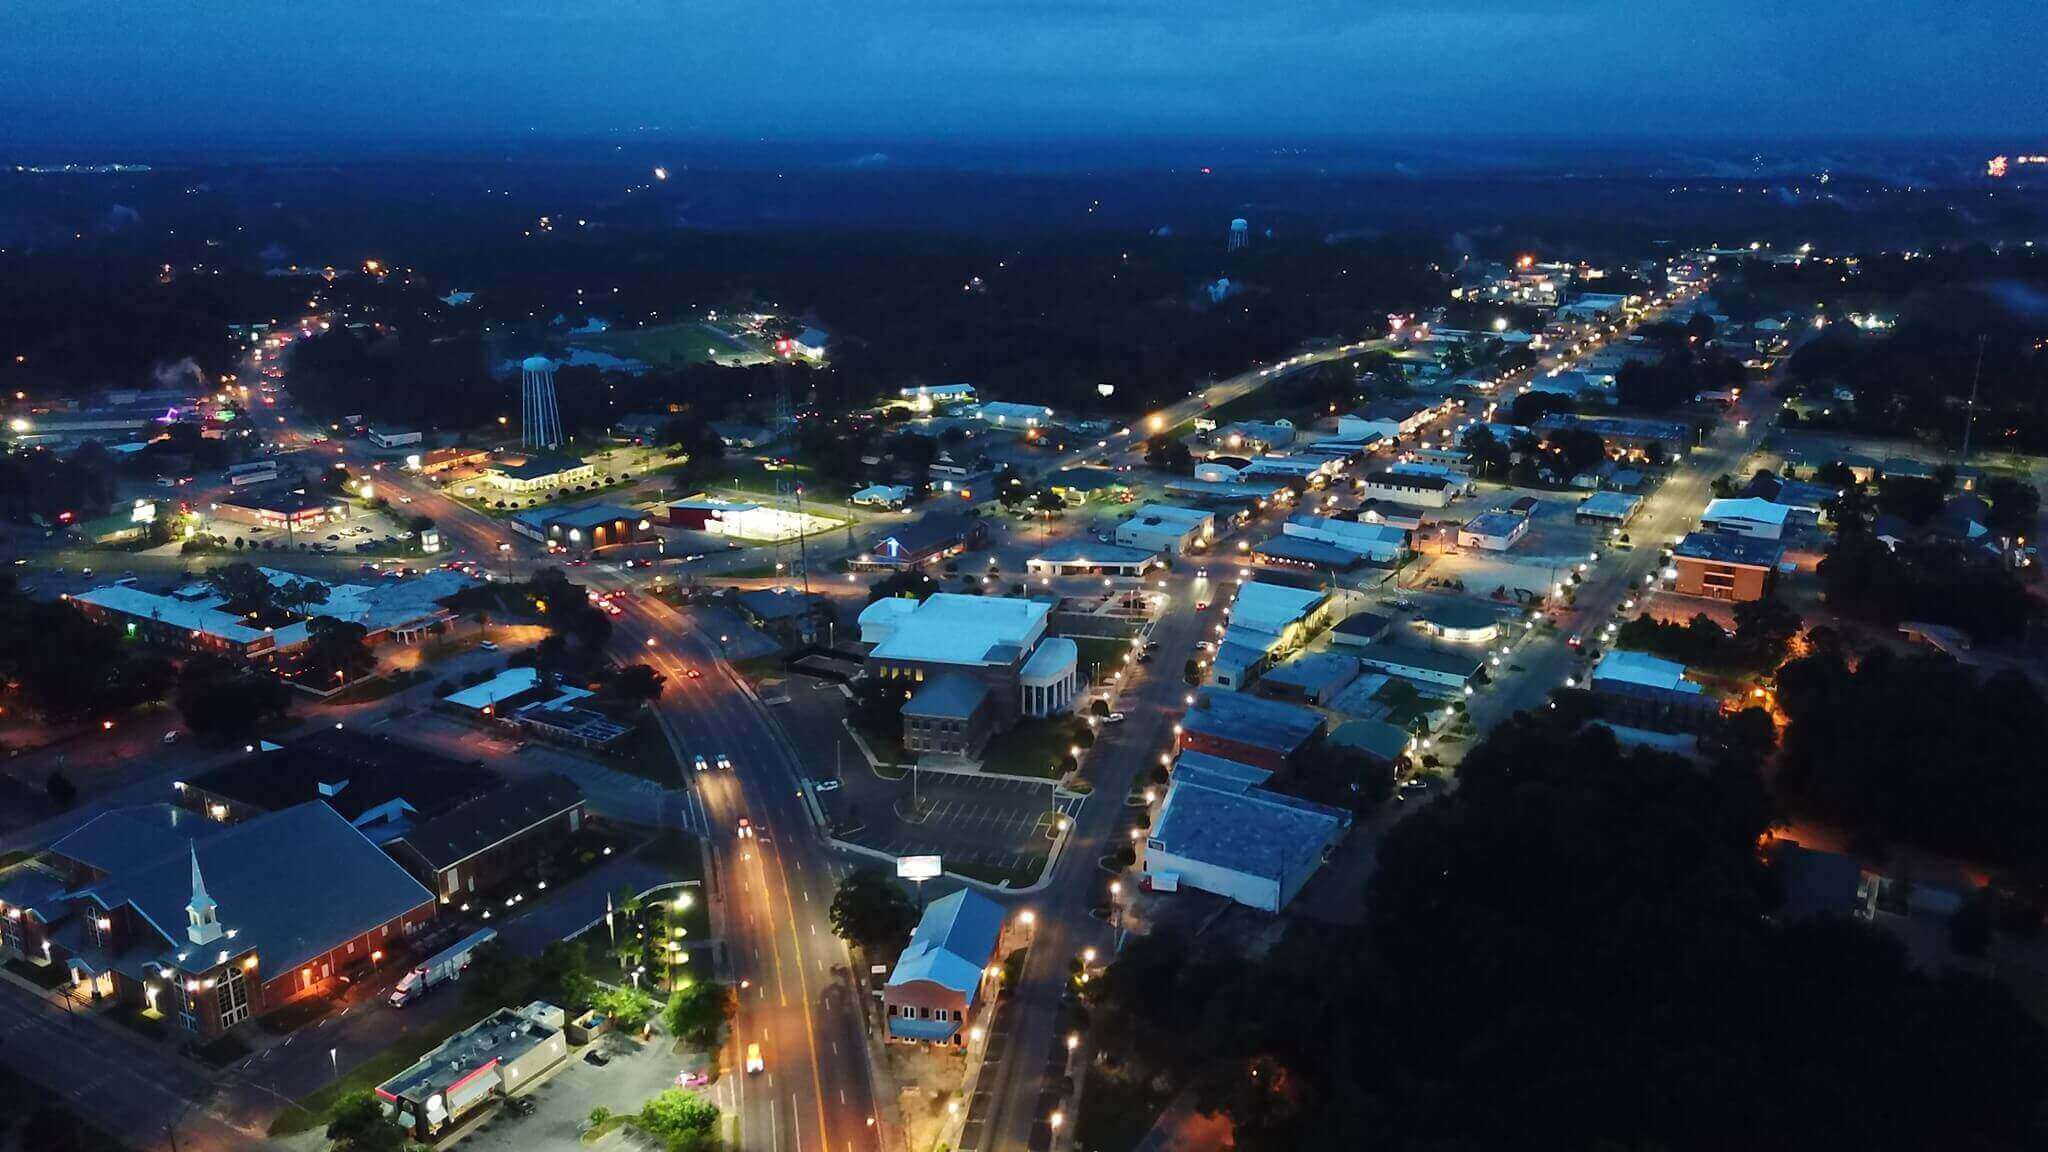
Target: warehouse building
{"x":1493,"y":531}
{"x":1173,"y":529}
{"x":1220,"y":833}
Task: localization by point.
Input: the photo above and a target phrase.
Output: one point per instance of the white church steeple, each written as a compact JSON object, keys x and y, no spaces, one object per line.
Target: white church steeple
{"x":202,"y":916}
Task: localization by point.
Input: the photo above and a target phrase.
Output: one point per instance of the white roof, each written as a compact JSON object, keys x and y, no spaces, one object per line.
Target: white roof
{"x":1271,"y":607}
{"x":386,"y":604}
{"x":1645,"y":669}
{"x":949,"y":628}
{"x":882,"y":492}
{"x":203,"y":616}
{"x":1746,"y":508}
{"x":505,"y":685}
{"x":1055,"y":659}
{"x":1171,"y":513}
{"x":1006,"y":410}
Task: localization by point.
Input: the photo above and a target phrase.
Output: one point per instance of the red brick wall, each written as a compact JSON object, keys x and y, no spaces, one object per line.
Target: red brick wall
{"x":1747,"y":583}
{"x":1265,"y":758}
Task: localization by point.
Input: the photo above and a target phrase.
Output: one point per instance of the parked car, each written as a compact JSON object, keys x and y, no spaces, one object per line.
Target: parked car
{"x":489,"y":645}
{"x":597,"y":1058}
{"x":1113,"y":718}
{"x":827,"y":786}
{"x":687,"y":1079}
{"x":519,"y":1105}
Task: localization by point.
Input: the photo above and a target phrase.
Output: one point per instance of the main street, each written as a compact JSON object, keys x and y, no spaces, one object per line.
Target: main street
{"x":771,"y":895}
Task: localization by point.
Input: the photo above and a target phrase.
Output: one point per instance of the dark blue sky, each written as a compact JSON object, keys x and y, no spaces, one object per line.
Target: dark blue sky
{"x":246,"y":72}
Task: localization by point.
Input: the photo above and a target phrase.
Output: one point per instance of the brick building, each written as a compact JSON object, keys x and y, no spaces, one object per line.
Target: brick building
{"x":213,"y":925}
{"x":1725,"y":567}
{"x":494,"y":839}
{"x":937,"y":983}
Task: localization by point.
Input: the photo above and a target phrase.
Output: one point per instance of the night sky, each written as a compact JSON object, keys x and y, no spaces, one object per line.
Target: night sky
{"x":237,"y":70}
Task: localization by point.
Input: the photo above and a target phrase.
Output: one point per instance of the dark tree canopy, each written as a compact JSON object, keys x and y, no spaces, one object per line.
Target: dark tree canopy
{"x":872,"y":912}
{"x":1918,"y":750}
{"x":1577,"y":949}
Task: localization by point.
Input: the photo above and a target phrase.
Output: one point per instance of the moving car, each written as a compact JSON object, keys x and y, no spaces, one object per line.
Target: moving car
{"x":754,"y":1061}
{"x":1113,"y":718}
{"x":698,"y":763}
{"x":489,"y":645}
{"x":724,"y":763}
{"x":745,"y":830}
{"x":827,"y":785}
{"x":693,"y":674}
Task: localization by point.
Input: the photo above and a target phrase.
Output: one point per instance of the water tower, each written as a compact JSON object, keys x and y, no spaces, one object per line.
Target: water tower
{"x":540,"y":421}
{"x":1240,"y":233}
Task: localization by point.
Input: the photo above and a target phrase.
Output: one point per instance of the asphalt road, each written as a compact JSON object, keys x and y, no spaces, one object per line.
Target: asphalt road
{"x":121,"y":1085}
{"x":770,"y":898}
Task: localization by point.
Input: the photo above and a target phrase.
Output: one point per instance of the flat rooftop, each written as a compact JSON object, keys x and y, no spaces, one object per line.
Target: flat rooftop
{"x":949,"y":628}
{"x":503,"y":1036}
{"x":1249,"y":720}
{"x":1247,"y":830}
{"x":1726,"y":548}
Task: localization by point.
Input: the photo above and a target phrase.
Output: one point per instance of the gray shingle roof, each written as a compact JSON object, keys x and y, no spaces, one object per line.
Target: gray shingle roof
{"x":466,"y":830}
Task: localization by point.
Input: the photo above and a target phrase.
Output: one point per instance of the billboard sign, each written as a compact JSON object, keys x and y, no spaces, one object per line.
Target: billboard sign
{"x":918,"y":868}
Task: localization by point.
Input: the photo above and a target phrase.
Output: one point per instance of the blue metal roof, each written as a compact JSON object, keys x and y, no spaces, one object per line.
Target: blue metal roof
{"x":953,"y":941}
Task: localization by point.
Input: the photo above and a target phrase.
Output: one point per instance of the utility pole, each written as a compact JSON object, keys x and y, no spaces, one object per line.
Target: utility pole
{"x":1970,"y":412}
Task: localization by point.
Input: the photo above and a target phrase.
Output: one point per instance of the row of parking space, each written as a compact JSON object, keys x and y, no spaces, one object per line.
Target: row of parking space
{"x":904,"y":840}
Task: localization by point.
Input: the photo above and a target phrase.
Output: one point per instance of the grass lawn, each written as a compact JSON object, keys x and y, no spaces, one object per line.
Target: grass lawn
{"x":364,"y":691}
{"x":992,"y":874}
{"x":1101,"y":652}
{"x":645,"y":753}
{"x":1032,"y":748}
{"x":756,"y":668}
{"x":1115,"y":1112}
{"x":676,"y":851}
{"x":748,"y":474}
{"x":311,"y":1111}
{"x":295,"y":1015}
{"x":45,"y":976}
{"x":131,"y":1016}
{"x":666,"y":346}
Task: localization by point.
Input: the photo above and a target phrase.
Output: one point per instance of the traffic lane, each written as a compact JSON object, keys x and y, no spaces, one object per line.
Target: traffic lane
{"x":776,"y":907}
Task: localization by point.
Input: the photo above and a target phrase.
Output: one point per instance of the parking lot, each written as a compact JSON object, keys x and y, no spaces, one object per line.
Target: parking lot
{"x":999,"y":826}
{"x":1002,"y":826}
{"x":1553,"y":548}
{"x":635,"y":1073}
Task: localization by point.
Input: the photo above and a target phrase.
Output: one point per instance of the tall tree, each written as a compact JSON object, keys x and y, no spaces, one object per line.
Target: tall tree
{"x":871,"y":912}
